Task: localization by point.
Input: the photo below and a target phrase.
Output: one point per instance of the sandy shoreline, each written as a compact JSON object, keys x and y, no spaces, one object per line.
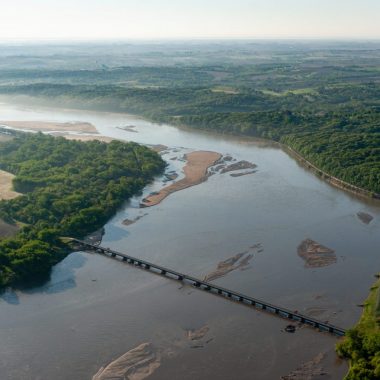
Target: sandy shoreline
{"x":69,"y":136}
{"x":195,"y":173}
{"x":76,"y":126}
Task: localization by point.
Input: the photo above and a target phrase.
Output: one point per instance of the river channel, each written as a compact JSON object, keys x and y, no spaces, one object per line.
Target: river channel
{"x":95,"y":309}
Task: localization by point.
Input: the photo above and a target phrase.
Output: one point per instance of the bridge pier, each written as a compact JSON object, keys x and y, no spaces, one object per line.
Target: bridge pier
{"x":322,"y":326}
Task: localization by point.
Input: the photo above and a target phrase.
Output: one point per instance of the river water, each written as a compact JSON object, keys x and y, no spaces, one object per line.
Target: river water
{"x":95,"y":309}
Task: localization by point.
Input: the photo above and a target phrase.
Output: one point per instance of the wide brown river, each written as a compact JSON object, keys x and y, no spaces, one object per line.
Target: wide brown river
{"x":95,"y":309}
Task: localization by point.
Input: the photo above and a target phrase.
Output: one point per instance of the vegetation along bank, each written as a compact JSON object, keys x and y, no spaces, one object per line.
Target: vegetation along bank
{"x":70,"y":188}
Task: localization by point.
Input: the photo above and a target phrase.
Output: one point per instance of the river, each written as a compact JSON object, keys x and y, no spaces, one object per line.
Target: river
{"x":95,"y":309}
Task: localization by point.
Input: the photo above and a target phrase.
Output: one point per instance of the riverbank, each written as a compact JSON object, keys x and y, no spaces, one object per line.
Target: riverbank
{"x":195,"y":173}
{"x":334,"y":181}
{"x":224,"y":216}
{"x":361,"y":344}
{"x":46,"y":126}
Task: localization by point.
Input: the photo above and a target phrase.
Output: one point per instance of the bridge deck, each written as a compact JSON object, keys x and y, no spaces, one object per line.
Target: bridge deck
{"x":216,"y":289}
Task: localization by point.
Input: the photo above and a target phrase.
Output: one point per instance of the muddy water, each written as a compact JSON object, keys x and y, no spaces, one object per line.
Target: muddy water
{"x":95,"y":309}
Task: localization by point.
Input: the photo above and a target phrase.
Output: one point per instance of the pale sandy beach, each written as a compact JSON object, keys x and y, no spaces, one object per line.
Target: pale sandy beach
{"x":79,"y":126}
{"x":195,"y":172}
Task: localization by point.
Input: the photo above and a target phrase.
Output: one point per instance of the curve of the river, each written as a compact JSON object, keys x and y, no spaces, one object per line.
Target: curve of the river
{"x":94,"y":309}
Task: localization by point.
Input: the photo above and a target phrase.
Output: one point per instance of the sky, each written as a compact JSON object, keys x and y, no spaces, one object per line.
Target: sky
{"x":188,"y":19}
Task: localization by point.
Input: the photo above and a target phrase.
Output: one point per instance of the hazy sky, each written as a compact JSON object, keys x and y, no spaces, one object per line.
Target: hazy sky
{"x":155,"y":19}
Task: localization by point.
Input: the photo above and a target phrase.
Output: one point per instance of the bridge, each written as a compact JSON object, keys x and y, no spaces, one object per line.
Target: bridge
{"x":214,"y":289}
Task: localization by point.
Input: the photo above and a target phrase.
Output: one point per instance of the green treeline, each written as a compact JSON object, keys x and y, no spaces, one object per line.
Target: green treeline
{"x":337,"y":128}
{"x":362,"y":343}
{"x":70,"y":188}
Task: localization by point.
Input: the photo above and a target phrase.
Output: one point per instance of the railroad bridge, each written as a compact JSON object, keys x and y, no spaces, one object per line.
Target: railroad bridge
{"x":214,"y":289}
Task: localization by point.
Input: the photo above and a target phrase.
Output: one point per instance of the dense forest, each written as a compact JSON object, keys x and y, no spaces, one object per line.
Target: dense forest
{"x":362,"y":343}
{"x":322,"y":99}
{"x":70,"y":188}
{"x":337,"y":130}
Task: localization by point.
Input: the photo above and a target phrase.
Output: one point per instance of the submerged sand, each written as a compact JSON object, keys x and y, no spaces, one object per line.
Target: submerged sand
{"x":316,"y":255}
{"x":364,"y":217}
{"x":308,"y":371}
{"x":239,"y":261}
{"x":195,"y":173}
{"x":198,"y":334}
{"x":136,"y":364}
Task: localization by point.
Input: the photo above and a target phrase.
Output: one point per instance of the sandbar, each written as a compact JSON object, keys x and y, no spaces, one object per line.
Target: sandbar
{"x":195,"y":173}
{"x":75,"y":126}
{"x":136,"y":364}
{"x":316,"y":255}
{"x":364,"y":217}
{"x":238,"y":261}
{"x":240,"y":165}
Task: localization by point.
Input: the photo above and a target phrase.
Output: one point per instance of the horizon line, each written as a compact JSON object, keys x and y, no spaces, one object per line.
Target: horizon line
{"x":190,"y":39}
